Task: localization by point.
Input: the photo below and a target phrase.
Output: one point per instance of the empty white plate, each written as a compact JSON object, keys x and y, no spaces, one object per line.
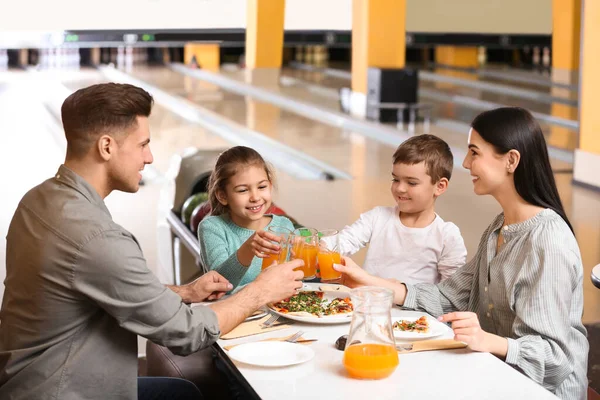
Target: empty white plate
{"x":271,"y":354}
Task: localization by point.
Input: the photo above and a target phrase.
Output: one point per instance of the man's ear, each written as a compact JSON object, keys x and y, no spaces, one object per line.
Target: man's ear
{"x":106,"y":147}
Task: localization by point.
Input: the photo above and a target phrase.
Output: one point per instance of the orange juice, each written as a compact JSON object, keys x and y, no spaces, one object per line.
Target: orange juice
{"x":370,"y":361}
{"x":271,"y":258}
{"x":326,"y":261}
{"x":308,"y":253}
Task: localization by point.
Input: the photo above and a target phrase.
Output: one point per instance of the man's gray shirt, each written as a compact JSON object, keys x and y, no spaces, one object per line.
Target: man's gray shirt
{"x":78,"y":291}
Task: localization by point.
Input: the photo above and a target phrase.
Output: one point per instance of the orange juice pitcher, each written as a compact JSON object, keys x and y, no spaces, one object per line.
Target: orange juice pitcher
{"x":370,"y":349}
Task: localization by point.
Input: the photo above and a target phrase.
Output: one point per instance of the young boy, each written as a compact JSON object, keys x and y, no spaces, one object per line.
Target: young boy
{"x":410,"y":242}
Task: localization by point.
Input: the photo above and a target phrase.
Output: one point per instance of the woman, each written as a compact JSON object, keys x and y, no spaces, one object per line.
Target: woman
{"x":521,"y":296}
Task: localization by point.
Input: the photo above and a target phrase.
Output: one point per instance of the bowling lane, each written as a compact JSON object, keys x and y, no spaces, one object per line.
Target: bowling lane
{"x":323,"y":142}
{"x":527,"y":87}
{"x":315,"y":94}
{"x":520,"y":79}
{"x":557,"y":136}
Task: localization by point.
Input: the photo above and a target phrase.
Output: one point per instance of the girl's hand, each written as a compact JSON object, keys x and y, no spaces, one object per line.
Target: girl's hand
{"x":261,"y":243}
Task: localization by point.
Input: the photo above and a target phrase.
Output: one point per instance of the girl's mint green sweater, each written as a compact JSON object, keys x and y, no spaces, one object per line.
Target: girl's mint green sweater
{"x":220,"y":238}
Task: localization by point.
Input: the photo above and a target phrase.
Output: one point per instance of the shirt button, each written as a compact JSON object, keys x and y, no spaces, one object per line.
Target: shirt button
{"x":488,"y":315}
{"x":485,"y":288}
{"x":491,"y":306}
{"x":57,"y":176}
{"x":506,"y":227}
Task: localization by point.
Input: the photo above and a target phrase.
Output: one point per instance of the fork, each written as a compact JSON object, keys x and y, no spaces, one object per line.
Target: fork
{"x":291,"y":339}
{"x":294,"y":338}
{"x":268,"y":323}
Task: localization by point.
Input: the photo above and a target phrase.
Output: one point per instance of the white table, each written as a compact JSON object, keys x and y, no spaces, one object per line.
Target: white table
{"x":449,"y":374}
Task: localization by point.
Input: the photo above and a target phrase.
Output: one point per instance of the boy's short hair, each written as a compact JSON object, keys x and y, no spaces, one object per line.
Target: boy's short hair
{"x":430,"y":149}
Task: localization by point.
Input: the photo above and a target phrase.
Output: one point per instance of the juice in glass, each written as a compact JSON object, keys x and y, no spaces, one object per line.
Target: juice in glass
{"x":305,"y":248}
{"x":308,"y":253}
{"x":284,"y":235}
{"x":326,"y":261}
{"x":370,"y":361}
{"x":271,"y":258}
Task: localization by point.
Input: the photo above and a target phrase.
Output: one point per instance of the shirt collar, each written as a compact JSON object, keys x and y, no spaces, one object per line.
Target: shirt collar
{"x":68,"y":177}
{"x":509,"y":231}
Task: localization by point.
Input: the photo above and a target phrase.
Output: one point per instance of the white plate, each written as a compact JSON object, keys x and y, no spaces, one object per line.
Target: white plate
{"x":436,"y":328}
{"x":313,"y":319}
{"x":271,"y":354}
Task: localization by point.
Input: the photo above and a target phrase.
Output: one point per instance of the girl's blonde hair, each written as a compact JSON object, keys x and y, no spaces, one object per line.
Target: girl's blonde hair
{"x":229,"y":163}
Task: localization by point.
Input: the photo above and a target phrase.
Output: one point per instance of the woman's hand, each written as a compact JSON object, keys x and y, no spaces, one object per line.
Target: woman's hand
{"x":466,"y":329}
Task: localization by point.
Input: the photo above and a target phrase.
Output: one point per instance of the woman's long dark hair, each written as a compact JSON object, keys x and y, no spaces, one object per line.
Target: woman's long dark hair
{"x":509,"y":128}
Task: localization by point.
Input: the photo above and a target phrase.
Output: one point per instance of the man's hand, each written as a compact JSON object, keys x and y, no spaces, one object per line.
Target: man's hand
{"x":210,"y":286}
{"x":279,"y":281}
{"x":275,"y":283}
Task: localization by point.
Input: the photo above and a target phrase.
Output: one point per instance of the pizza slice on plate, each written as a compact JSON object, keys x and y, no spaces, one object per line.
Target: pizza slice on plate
{"x":303,"y":303}
{"x":420,"y":326}
{"x":339,"y":306}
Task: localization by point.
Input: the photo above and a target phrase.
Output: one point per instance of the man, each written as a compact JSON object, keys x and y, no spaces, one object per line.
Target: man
{"x":77,"y":287}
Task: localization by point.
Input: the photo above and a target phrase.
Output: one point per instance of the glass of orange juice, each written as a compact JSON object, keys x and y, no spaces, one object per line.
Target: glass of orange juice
{"x":370,"y":349}
{"x":284,"y":234}
{"x":329,"y":254}
{"x":304,"y":246}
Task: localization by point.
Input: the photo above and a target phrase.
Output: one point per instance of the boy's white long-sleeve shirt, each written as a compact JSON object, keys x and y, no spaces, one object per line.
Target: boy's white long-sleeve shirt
{"x":411,"y":255}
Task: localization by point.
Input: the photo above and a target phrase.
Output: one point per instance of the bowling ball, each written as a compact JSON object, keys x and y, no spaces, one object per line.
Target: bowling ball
{"x":198,"y":215}
{"x":190,"y":204}
{"x":275,"y":210}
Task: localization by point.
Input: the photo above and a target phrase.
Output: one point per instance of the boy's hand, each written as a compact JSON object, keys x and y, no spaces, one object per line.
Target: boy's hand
{"x":352,"y":275}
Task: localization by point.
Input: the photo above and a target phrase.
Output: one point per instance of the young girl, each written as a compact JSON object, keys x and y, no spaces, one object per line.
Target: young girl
{"x":234,"y":239}
{"x":521,"y":296}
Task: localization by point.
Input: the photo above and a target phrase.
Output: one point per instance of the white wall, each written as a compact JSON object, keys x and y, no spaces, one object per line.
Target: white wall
{"x":164,"y":14}
{"x":475,"y":16}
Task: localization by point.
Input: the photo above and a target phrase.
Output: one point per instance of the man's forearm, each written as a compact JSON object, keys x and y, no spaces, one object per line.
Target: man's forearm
{"x":233,"y":311}
{"x":182,"y":291}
